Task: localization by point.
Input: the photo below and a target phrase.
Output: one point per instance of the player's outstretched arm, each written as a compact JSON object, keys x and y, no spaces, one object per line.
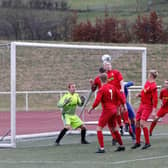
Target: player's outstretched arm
{"x":85,"y":103}
{"x":82,"y":101}
{"x":90,"y":110}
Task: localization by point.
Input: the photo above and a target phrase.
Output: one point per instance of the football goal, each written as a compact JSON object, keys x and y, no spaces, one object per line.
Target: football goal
{"x":39,"y":72}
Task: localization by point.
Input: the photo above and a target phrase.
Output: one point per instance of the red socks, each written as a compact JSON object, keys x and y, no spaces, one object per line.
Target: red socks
{"x":112,"y":133}
{"x":138,"y":134}
{"x":152,"y":127}
{"x":100,"y":139}
{"x":125,"y":117}
{"x":146,"y":135}
{"x":119,"y":120}
{"x":118,"y":137}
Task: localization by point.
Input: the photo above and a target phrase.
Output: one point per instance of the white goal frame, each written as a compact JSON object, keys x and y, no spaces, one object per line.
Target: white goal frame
{"x":14,"y":46}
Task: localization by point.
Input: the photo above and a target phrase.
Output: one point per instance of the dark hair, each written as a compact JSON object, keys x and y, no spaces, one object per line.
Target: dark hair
{"x":102,"y":70}
{"x":103,"y":77}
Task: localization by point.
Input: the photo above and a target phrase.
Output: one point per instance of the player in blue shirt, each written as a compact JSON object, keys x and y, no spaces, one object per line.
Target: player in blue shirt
{"x":131,"y":112}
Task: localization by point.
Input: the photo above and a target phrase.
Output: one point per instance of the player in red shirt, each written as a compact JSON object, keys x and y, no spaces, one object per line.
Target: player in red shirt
{"x":115,"y":78}
{"x":147,"y":106}
{"x":108,"y":96}
{"x":164,"y":106}
{"x":96,"y":83}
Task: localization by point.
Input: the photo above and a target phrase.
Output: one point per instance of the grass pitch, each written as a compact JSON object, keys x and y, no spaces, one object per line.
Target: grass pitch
{"x":71,"y":154}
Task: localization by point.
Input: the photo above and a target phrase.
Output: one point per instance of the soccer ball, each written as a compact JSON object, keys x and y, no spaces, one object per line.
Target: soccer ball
{"x":106,"y":58}
{"x":49,"y":33}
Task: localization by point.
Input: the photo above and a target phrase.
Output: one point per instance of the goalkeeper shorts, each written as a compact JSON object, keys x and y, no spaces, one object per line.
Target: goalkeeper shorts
{"x":73,"y":120}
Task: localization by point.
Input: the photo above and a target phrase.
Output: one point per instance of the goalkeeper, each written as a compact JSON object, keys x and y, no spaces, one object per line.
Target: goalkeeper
{"x":68,"y":103}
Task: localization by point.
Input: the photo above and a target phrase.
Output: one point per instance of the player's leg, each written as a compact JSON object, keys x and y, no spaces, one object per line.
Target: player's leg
{"x":127,"y":123}
{"x":146,"y":134}
{"x":61,"y":135}
{"x":83,"y":135}
{"x":131,"y":115}
{"x":114,"y":141}
{"x":119,"y":122}
{"x":67,"y":123}
{"x":153,"y":125}
{"x":103,"y":120}
{"x":100,"y":140}
{"x":133,"y":125}
{"x":161,"y":113}
{"x":119,"y":140}
{"x":144,"y":125}
{"x":138,"y":135}
{"x":124,"y":114}
{"x":76,"y":122}
{"x":138,"y":128}
{"x":112,"y":123}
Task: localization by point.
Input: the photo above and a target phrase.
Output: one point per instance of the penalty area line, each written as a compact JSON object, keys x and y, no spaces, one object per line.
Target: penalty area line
{"x":140,"y":159}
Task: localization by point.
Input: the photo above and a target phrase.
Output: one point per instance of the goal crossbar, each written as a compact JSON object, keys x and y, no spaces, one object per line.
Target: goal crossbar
{"x":101,"y":47}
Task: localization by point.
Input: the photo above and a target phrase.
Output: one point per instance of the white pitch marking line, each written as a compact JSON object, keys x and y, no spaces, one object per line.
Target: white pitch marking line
{"x":141,"y":159}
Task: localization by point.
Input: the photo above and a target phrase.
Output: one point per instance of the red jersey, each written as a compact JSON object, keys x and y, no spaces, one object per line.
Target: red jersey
{"x":149,"y":94}
{"x":96,"y":84}
{"x":164,"y":96}
{"x":114,"y":78}
{"x":108,"y":95}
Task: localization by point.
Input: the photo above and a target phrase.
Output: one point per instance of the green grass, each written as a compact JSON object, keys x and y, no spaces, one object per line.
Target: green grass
{"x":117,"y":8}
{"x":71,"y":154}
{"x":91,"y":9}
{"x":89,"y":4}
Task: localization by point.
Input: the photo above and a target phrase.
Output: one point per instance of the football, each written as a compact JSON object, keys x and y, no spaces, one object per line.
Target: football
{"x":106,"y":57}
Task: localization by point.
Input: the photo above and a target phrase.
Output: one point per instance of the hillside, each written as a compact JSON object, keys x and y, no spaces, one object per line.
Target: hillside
{"x":44,"y":22}
{"x":91,"y":9}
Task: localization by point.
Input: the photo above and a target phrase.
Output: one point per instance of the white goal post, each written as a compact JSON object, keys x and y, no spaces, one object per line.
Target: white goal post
{"x":14,"y":46}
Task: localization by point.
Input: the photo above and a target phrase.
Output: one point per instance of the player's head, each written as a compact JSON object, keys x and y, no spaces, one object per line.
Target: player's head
{"x":107,"y":66}
{"x":166,"y":84}
{"x":153,"y":74}
{"x":103,"y":77}
{"x":72,"y":87}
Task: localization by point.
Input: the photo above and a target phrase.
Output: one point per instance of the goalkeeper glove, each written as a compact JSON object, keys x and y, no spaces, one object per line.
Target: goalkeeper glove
{"x":82,"y":100}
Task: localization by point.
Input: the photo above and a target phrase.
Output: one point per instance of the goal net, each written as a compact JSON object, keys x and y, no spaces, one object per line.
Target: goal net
{"x":38,"y":74}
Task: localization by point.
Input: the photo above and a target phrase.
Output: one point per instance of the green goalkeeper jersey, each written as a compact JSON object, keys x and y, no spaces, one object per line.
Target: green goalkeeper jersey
{"x":69,"y":102}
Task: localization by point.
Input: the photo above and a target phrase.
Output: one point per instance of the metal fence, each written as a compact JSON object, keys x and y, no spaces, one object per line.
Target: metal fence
{"x":132,"y":90}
